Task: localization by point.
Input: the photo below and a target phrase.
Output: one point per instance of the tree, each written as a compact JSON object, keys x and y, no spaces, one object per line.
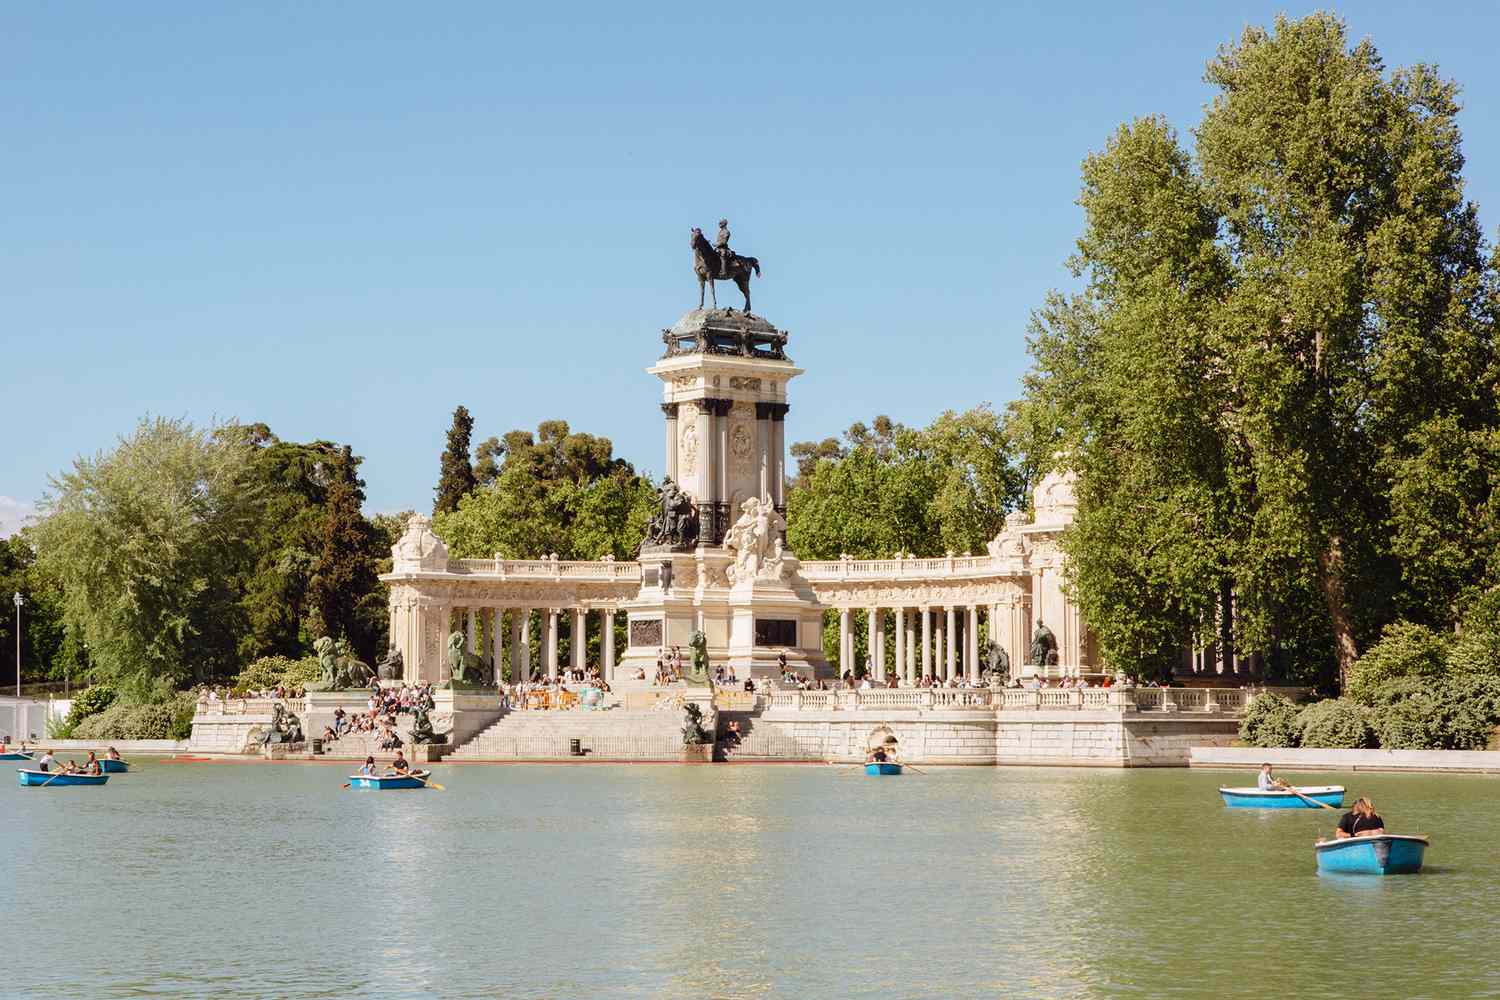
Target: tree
{"x":556,"y":492}
{"x":894,"y":489}
{"x":48,"y":650}
{"x":457,"y":476}
{"x":343,"y":593}
{"x":147,"y":542}
{"x":1277,"y":328}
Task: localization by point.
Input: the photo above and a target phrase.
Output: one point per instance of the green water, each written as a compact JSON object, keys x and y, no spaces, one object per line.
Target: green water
{"x":740,"y":881}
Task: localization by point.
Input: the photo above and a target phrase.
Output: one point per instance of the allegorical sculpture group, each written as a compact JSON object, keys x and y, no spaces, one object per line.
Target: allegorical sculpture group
{"x":675,"y":523}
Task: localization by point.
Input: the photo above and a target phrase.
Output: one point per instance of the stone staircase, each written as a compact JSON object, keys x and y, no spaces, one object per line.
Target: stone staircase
{"x":611,"y":734}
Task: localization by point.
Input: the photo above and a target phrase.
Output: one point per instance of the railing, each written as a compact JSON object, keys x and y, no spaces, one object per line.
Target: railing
{"x":1192,"y":701}
{"x":250,"y":706}
{"x":905,"y":569}
{"x":548,"y":569}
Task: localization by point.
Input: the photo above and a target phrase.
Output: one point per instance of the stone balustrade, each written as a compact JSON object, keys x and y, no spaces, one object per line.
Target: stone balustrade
{"x":602,"y":570}
{"x":1206,"y":701}
{"x":251,"y":706}
{"x":945,"y":567}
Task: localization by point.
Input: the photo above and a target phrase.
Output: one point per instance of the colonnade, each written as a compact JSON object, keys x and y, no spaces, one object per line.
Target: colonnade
{"x":927,"y":640}
{"x":501,"y":632}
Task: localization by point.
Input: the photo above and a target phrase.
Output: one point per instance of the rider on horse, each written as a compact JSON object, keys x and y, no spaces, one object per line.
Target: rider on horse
{"x":721,"y":244}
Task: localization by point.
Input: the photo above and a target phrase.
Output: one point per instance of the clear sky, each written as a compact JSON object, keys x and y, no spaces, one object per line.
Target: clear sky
{"x":345,"y":219}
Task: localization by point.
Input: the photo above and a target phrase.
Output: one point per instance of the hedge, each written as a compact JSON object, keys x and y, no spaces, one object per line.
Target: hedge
{"x":1270,"y":721}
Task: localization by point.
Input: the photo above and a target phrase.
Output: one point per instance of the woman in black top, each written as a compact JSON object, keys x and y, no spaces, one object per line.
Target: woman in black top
{"x":1361,"y":821}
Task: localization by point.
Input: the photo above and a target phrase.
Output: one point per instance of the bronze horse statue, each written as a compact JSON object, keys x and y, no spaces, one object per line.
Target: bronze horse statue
{"x":706,"y":265}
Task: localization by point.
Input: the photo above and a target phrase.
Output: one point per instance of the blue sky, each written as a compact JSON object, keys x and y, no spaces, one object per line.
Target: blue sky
{"x":345,"y":219}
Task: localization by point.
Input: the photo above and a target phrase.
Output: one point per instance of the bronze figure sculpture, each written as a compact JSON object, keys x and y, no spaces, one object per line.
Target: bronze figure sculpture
{"x":721,"y":264}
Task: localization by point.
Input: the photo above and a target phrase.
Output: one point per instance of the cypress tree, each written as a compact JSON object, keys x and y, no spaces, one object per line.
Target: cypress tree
{"x":457,"y":476}
{"x":344,"y":573}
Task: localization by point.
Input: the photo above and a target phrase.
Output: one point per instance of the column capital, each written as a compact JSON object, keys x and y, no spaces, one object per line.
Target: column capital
{"x":719,"y":407}
{"x":670,"y":409}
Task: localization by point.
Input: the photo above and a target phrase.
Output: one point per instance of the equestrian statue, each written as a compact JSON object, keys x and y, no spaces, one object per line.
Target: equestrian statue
{"x":719,"y":263}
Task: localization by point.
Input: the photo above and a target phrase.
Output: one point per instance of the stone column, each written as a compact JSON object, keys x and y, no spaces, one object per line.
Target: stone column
{"x":900,"y":643}
{"x":950,"y":667}
{"x":580,"y":639}
{"x":911,"y":651}
{"x":778,"y":454}
{"x":706,"y":473}
{"x":549,"y":656}
{"x":471,"y":634}
{"x":926,"y":642}
{"x":670,"y":409}
{"x":872,"y":665}
{"x":520,"y":644}
{"x":763,"y":446}
{"x":879,"y":656}
{"x":721,"y":448}
{"x":607,"y":643}
{"x":518,"y":651}
{"x":846,"y":643}
{"x":495,"y":618}
{"x":972,"y":646}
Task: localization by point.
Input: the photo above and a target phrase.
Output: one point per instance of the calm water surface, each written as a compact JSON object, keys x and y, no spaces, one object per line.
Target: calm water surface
{"x":202,"y":880}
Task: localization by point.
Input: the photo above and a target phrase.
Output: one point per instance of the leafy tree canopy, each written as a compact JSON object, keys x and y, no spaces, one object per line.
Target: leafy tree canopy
{"x":1278,"y":386}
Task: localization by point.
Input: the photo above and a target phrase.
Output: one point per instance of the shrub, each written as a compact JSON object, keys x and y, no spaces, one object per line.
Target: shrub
{"x":1477,"y":648}
{"x":1404,"y":650}
{"x":88,"y":702}
{"x":1337,"y":723}
{"x":162,"y":720}
{"x":1455,"y":714}
{"x":1270,"y":721}
{"x":269,"y":671}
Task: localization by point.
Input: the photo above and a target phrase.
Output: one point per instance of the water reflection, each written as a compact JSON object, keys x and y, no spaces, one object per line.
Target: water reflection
{"x":249,"y":881}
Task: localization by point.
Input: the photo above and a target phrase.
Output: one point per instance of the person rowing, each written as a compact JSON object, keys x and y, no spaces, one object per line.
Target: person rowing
{"x":1360,"y":821}
{"x":92,"y":765}
{"x":399,"y":765}
{"x":1267,"y":782}
{"x":46,"y":762}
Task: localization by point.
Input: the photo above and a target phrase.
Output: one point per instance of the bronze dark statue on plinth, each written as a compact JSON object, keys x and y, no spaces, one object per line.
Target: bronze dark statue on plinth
{"x":675,"y":523}
{"x":1043,"y":646}
{"x":719,"y":263}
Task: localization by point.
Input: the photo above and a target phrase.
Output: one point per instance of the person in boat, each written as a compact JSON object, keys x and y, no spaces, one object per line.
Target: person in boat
{"x":399,"y":765}
{"x":1267,"y":782}
{"x":1360,"y":821}
{"x":112,"y":753}
{"x":92,"y":765}
{"x":369,"y":766}
{"x":46,"y":761}
{"x":876,"y":756}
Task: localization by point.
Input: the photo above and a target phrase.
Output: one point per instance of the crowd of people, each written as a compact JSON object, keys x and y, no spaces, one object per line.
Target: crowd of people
{"x":383,"y":707}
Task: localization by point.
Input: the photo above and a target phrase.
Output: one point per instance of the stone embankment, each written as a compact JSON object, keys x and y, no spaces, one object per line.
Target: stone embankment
{"x":1314,"y":759}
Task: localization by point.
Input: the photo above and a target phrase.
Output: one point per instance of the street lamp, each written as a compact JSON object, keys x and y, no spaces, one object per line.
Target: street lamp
{"x":19,"y":601}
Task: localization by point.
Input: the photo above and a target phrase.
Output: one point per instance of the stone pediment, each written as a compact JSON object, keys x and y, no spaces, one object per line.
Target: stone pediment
{"x":419,"y":550}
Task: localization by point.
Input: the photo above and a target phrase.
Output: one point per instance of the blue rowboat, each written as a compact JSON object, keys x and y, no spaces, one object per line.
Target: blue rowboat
{"x":53,"y":779}
{"x":113,"y":766}
{"x":1254,"y":798}
{"x":882,"y":767}
{"x":1382,"y":854}
{"x":14,"y":755}
{"x":385,"y":782}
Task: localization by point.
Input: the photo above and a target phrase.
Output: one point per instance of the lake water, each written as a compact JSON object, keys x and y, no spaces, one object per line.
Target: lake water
{"x":221,"y":880}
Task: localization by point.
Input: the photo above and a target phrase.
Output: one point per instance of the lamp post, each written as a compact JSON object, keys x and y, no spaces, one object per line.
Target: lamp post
{"x":19,"y":601}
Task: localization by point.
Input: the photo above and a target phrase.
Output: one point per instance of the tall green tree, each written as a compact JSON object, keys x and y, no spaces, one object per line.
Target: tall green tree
{"x":1280,"y":331}
{"x":556,"y":491}
{"x":456,"y":477}
{"x":889,"y":488}
{"x":346,"y":598}
{"x":147,"y":542}
{"x":47,"y":650}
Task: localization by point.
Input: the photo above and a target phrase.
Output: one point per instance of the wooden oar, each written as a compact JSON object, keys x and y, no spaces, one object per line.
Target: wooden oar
{"x":429,"y":784}
{"x":1308,"y":798}
{"x":910,"y":767}
{"x":50,"y":780}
